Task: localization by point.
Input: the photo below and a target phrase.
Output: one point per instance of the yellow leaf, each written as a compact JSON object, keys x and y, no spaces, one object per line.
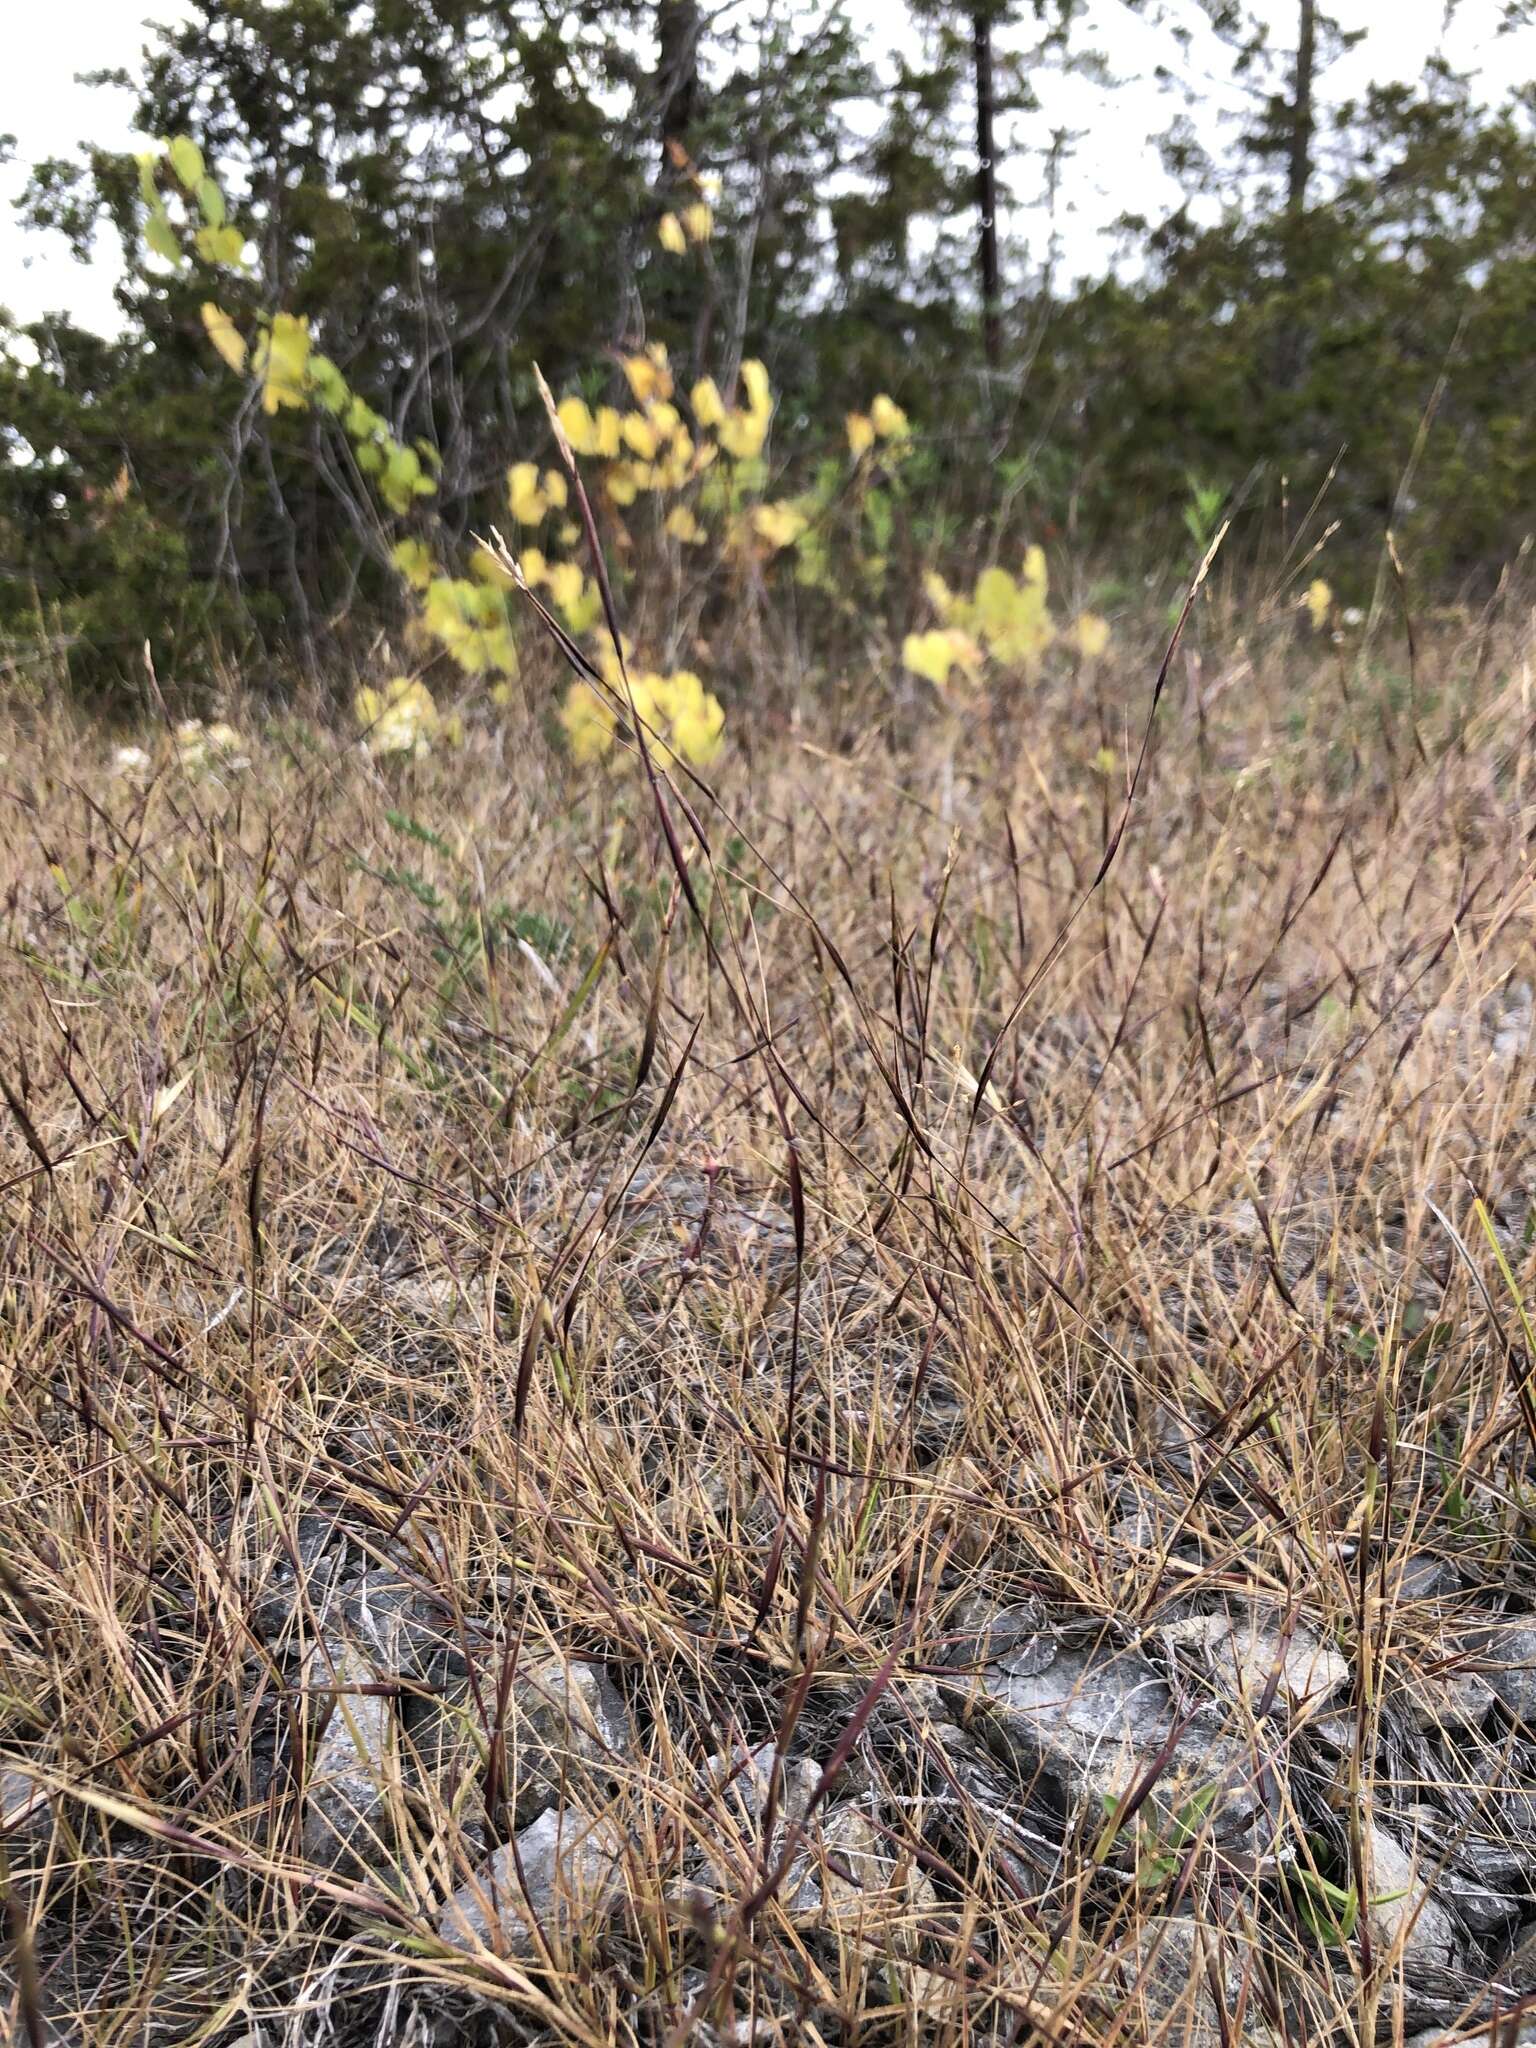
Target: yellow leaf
{"x":780,"y":525}
{"x":575,"y":416}
{"x":622,"y":486}
{"x":489,"y":569}
{"x":755,"y":377}
{"x":699,"y":220}
{"x":413,"y":558}
{"x":707,"y":407}
{"x":225,"y":336}
{"x":186,"y":161}
{"x":284,"y":361}
{"x":1091,"y":634}
{"x":565,"y":581}
{"x":1319,"y":603}
{"x":888,"y":419}
{"x":742,"y":434}
{"x":670,"y":235}
{"x":683,"y":526}
{"x":224,"y":244}
{"x":640,"y":435}
{"x":400,"y":718}
{"x":555,"y":492}
{"x":861,"y":434}
{"x":533,"y":566}
{"x":589,"y":723}
{"x":933,"y":655}
{"x":648,"y":374}
{"x":524,"y":498}
{"x":608,"y":432}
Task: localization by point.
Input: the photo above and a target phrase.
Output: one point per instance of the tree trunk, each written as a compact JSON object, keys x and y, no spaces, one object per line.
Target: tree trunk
{"x":1300,"y":154}
{"x":1290,"y":351}
{"x":986,"y":190}
{"x":677,"y":75}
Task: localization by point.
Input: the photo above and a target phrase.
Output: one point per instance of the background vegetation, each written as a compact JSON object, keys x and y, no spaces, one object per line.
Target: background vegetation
{"x":452,"y":193}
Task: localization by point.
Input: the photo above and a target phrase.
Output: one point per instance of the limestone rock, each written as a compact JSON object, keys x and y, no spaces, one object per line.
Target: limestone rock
{"x":1506,"y":1658}
{"x":734,"y":1791}
{"x":1450,"y":1702}
{"x":1173,"y":1980}
{"x":1248,"y":1650}
{"x":347,"y":1786}
{"x":858,"y":1884}
{"x":1091,"y":1724}
{"x":561,"y":1878}
{"x":396,"y":1626}
{"x":568,"y":1731}
{"x":1404,"y":1914}
{"x":25,"y":1809}
{"x":979,"y":1632}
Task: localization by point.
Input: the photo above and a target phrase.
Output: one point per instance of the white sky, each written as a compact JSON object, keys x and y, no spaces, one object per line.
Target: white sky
{"x":1114,"y":168}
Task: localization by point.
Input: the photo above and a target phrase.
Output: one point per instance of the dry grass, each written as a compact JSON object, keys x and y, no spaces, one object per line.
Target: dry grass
{"x":633,"y":1267}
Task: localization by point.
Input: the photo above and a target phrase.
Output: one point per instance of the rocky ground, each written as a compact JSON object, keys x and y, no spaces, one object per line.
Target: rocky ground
{"x":819,"y":1463}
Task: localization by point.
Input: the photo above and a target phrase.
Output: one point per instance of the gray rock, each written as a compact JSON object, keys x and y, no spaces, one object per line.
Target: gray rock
{"x":1497,"y":2034}
{"x":396,"y":1625}
{"x":26,"y":1813}
{"x":568,"y":1731}
{"x":1423,"y":1576}
{"x":319,"y":1543}
{"x":1448,"y":1701}
{"x":1249,"y":1650}
{"x":563,"y":1877}
{"x":347,"y":1787}
{"x":979,"y":1632}
{"x":857,"y":1884}
{"x":1170,"y":1985}
{"x":1506,"y":1658}
{"x":1091,"y":1725}
{"x":730,"y":1858}
{"x":1404,"y":1914}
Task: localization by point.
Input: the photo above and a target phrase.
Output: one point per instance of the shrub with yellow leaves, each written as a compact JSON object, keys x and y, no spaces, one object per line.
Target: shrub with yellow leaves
{"x":469,"y":620}
{"x":935,"y":654}
{"x":1007,"y":616}
{"x":402,"y":717}
{"x":779,"y":525}
{"x":681,"y":719}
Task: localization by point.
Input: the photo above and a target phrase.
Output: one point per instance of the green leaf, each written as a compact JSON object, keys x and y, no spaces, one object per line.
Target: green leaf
{"x":362,"y":421}
{"x":160,"y":236}
{"x":1190,"y":1817}
{"x":186,"y":161}
{"x":220,"y":245}
{"x":877,"y":511}
{"x":147,"y":162}
{"x":1329,"y":1911}
{"x":210,"y":201}
{"x":330,"y":387}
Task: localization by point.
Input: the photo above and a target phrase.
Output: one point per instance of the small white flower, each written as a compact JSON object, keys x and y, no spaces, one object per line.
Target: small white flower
{"x":200,"y":746}
{"x":130,"y":762}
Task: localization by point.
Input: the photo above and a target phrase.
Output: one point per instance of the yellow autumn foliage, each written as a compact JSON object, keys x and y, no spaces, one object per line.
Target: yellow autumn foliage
{"x":402,"y":717}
